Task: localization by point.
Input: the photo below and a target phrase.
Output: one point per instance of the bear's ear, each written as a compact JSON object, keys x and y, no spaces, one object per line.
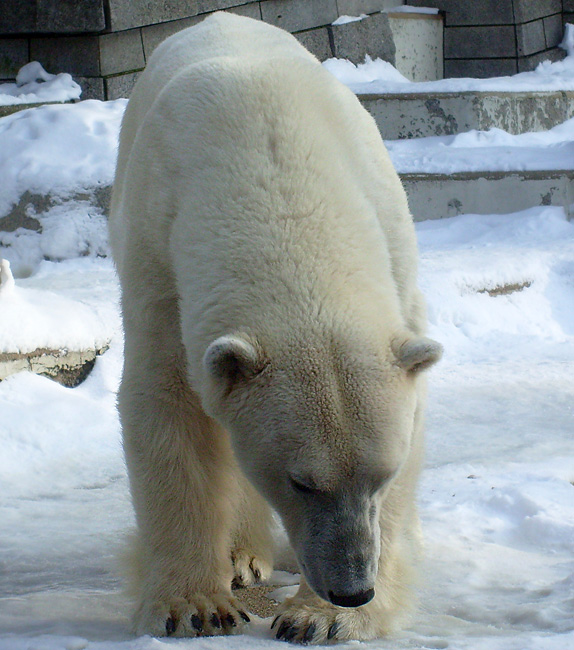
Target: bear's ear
{"x":415,"y":353}
{"x":232,"y":358}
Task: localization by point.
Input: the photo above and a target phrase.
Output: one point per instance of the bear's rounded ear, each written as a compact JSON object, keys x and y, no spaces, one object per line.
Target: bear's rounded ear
{"x":232,"y":358}
{"x":415,"y":353}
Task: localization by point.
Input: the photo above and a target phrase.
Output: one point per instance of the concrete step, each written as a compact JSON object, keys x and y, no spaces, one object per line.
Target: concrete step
{"x":427,"y":114}
{"x":436,"y":196}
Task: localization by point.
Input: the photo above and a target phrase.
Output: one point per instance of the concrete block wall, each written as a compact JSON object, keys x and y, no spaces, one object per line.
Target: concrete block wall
{"x":488,"y":38}
{"x":105,"y":44}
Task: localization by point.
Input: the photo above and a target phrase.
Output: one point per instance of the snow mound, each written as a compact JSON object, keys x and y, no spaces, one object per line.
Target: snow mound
{"x":58,"y":149}
{"x":34,"y":85}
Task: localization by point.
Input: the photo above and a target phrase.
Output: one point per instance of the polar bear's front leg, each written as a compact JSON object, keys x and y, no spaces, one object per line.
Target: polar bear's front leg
{"x":252,"y":544}
{"x":179,"y":463}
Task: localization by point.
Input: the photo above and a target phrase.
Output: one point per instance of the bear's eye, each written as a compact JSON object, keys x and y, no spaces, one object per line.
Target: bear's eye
{"x":301,"y":487}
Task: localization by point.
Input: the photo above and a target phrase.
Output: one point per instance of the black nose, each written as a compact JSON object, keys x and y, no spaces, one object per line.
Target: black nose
{"x":352,"y":600}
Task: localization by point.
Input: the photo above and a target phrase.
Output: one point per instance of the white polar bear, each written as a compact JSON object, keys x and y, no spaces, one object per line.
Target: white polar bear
{"x":273,"y":339}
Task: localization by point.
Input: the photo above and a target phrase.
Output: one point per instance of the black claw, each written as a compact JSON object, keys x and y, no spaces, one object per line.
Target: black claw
{"x":215,"y":621}
{"x":237,"y":583}
{"x":257,"y":575}
{"x":196,"y":622}
{"x":169,"y":626}
{"x":230,"y":620}
{"x":275,"y":621}
{"x":244,"y":616}
{"x":282,"y":629}
{"x":309,"y":633}
{"x":333,"y":630}
{"x":291,"y":633}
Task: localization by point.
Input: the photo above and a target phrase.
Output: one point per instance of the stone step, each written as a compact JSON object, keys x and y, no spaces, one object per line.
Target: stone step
{"x":67,"y":367}
{"x":436,"y":196}
{"x":427,"y":114}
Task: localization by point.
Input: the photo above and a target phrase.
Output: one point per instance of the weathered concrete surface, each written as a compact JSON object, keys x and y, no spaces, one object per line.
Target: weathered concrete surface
{"x":67,"y":367}
{"x":436,"y":196}
{"x":425,"y":114}
{"x":419,"y":45}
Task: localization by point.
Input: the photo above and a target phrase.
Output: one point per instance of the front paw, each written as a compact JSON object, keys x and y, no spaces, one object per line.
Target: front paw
{"x":318,"y":623}
{"x":198,"y":615}
{"x":249,"y":569}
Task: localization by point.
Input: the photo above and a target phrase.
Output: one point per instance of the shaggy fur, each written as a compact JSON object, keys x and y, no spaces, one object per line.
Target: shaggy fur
{"x":273,"y":338}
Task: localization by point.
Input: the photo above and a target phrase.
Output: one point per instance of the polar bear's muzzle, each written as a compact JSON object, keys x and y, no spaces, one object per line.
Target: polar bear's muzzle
{"x":339,"y":552}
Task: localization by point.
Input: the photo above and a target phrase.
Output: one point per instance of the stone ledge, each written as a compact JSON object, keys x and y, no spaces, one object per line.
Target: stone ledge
{"x":419,"y":115}
{"x":437,"y":196}
{"x":68,"y":367}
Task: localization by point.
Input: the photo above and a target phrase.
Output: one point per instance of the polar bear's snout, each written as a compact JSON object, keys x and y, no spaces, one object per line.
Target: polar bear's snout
{"x":339,"y":551}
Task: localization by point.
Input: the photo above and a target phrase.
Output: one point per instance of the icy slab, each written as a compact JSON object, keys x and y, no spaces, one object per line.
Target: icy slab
{"x":34,"y":85}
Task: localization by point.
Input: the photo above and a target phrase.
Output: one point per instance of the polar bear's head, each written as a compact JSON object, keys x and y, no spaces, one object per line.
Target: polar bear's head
{"x":323,"y":431}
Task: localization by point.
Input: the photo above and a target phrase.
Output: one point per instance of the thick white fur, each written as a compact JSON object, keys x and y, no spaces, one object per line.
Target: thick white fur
{"x":268,"y":268}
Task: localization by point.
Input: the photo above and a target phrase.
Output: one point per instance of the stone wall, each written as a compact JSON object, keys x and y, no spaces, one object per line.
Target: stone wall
{"x":105,"y":44}
{"x":488,"y":38}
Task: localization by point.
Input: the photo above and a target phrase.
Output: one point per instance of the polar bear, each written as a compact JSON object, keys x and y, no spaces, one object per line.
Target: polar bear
{"x":274,"y":339}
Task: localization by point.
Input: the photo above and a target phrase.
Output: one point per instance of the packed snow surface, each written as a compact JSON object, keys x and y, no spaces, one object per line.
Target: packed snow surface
{"x":34,"y":85}
{"x":497,"y":493}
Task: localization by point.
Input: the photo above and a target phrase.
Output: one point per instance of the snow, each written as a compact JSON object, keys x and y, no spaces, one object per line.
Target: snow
{"x":492,"y":150}
{"x":58,"y":149}
{"x":343,"y":20}
{"x":34,"y":85}
{"x":379,"y":77}
{"x":497,"y":493}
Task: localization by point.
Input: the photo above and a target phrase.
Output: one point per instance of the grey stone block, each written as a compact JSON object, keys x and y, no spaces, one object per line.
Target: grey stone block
{"x":121,"y":52}
{"x":153,"y":35}
{"x":299,"y":15}
{"x":17,"y":17}
{"x":251,"y":10}
{"x":480,"y":68}
{"x":530,"y":38}
{"x":568,"y":18}
{"x":78,"y":55}
{"x":568,"y":5}
{"x":126,"y":14}
{"x":65,"y":16}
{"x":13,"y":55}
{"x":358,"y":7}
{"x":92,"y":87}
{"x":480,"y":42}
{"x":553,"y":30}
{"x":527,"y":63}
{"x":526,"y":10}
{"x":317,"y":42}
{"x":370,"y":36}
{"x":485,"y":12}
{"x":51,"y":16}
{"x":121,"y":85}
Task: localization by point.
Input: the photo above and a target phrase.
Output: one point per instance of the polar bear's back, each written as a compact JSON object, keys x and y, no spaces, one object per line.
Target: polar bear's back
{"x":220,"y":36}
{"x":237,"y":146}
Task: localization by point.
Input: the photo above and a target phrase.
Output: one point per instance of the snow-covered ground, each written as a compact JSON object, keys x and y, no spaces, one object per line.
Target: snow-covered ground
{"x":497,"y":493}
